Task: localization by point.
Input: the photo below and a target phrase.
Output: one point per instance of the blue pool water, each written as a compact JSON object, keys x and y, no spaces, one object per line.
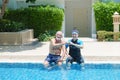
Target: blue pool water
{"x":36,"y":71}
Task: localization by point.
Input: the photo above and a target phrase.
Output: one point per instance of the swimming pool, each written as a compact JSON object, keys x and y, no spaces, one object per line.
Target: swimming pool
{"x":36,"y":71}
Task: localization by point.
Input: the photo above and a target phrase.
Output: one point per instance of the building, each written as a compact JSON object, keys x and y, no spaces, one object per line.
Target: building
{"x":78,"y":14}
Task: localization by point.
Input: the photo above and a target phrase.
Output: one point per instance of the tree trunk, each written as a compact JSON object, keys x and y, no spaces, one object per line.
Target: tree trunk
{"x":2,"y":11}
{"x":4,"y":4}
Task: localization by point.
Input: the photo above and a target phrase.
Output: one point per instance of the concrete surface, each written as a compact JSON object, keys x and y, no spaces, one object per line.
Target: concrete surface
{"x":93,"y":51}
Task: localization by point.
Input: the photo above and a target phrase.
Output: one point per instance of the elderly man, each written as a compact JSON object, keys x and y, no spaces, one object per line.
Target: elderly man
{"x":56,"y":50}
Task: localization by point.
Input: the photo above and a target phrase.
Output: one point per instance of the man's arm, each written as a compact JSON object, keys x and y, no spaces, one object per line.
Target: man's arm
{"x":78,"y":45}
{"x":63,"y":52}
{"x":57,"y":44}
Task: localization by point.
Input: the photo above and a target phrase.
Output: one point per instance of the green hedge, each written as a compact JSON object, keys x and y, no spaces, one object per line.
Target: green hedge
{"x":108,"y":36}
{"x":40,"y":19}
{"x":103,"y":15}
{"x":10,"y":26}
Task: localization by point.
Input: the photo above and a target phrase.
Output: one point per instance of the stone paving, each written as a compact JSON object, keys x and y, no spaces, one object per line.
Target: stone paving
{"x":93,"y":51}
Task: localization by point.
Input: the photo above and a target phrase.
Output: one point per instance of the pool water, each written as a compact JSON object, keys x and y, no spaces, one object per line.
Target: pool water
{"x":36,"y":71}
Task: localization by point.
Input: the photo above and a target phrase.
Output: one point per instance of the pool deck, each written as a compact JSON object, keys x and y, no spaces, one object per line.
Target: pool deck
{"x":94,"y":51}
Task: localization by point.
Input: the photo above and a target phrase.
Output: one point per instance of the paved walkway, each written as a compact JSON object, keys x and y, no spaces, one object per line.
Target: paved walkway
{"x":93,"y":51}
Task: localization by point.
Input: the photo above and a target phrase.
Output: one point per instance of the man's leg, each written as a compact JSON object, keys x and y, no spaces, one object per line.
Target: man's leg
{"x":69,"y":61}
{"x":80,"y":61}
{"x":57,"y":60}
{"x":46,"y":64}
{"x":47,"y":61}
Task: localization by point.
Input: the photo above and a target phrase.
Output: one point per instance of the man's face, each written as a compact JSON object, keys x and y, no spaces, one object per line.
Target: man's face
{"x":58,"y":37}
{"x":75,"y":36}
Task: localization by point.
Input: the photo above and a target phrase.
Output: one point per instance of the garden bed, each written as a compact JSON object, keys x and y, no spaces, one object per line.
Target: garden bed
{"x":16,"y":38}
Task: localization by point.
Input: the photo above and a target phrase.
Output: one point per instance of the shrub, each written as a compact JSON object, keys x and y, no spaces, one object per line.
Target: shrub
{"x":101,"y":35}
{"x":103,"y":15}
{"x":108,"y":36}
{"x":116,"y":36}
{"x":10,"y":26}
{"x":40,"y":19}
{"x":46,"y":36}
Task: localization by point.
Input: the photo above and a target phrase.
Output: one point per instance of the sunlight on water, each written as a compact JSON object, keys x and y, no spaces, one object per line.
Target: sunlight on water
{"x":36,"y":71}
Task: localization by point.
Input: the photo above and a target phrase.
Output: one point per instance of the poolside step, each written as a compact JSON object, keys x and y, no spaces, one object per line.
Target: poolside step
{"x":40,"y":58}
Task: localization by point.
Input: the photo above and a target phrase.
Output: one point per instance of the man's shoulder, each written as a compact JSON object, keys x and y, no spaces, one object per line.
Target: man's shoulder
{"x":52,"y":40}
{"x":79,"y":41}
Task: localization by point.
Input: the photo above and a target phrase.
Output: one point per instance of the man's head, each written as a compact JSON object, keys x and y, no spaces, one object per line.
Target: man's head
{"x":59,"y":35}
{"x":75,"y":34}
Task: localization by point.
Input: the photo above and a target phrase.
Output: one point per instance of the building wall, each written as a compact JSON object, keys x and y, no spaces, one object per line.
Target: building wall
{"x":85,"y":11}
{"x":14,"y":4}
{"x":78,"y":14}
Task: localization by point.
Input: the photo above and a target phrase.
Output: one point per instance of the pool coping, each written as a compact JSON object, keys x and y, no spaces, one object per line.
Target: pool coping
{"x":87,"y":62}
{"x":40,"y":59}
{"x":87,"y":59}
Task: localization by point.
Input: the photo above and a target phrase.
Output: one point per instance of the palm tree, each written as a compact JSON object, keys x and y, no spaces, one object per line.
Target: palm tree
{"x":5,"y":2}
